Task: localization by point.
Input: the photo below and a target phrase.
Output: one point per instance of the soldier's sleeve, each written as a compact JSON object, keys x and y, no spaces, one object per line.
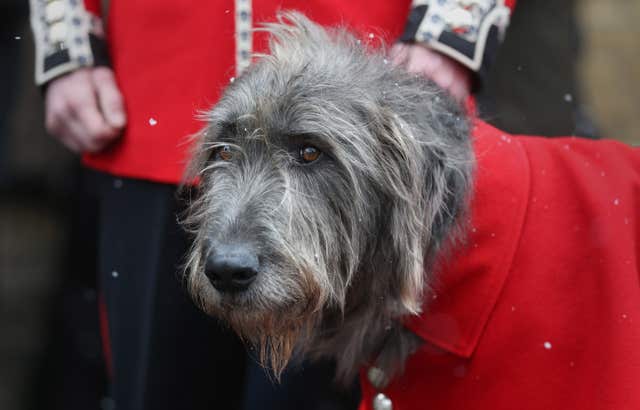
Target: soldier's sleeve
{"x":469,"y":31}
{"x":68,"y":34}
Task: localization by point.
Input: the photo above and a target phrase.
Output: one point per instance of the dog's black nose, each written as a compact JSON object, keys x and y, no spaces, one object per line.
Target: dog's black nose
{"x":232,"y":268}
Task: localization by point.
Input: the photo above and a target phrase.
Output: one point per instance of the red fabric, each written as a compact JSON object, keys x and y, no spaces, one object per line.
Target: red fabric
{"x":540,"y":309}
{"x":173,"y":58}
{"x":104,"y":334}
{"x":93,"y":6}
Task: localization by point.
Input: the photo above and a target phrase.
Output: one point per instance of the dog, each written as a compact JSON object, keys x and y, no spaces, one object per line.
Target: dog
{"x":349,"y":209}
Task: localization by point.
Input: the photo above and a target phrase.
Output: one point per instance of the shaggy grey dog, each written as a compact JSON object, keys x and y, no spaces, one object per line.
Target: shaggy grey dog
{"x":329,"y":183}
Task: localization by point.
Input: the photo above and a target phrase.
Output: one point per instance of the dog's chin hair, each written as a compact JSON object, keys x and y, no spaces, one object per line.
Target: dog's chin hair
{"x":274,"y":337}
{"x":275,"y":332}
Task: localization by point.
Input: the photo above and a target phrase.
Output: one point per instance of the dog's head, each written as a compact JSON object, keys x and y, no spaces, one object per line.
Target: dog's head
{"x":328,"y":178}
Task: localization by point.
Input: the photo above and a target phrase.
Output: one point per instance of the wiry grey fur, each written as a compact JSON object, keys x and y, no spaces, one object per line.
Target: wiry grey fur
{"x":347,"y":243}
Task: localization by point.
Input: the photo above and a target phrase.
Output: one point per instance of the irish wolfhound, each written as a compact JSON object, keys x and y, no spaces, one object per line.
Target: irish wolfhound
{"x":329,"y":181}
{"x":331,"y":186}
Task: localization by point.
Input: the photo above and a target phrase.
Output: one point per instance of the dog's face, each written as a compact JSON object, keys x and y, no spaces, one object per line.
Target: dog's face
{"x":319,"y":191}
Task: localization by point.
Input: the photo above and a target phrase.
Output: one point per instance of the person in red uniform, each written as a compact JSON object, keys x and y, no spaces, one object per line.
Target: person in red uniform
{"x":123,"y":81}
{"x":540,"y":308}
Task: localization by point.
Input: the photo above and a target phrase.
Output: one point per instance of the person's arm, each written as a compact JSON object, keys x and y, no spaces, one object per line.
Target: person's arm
{"x":84,"y":107}
{"x":453,"y":42}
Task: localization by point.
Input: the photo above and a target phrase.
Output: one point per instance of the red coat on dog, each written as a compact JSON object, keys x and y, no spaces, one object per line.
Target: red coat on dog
{"x":540,"y":309}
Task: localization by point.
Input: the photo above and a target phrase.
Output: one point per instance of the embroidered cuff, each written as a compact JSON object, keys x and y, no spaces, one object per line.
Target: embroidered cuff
{"x":67,"y":37}
{"x":468,"y":31}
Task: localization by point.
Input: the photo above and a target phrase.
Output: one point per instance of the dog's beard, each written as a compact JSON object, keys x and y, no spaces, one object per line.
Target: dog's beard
{"x":274,"y":329}
{"x":274,"y":336}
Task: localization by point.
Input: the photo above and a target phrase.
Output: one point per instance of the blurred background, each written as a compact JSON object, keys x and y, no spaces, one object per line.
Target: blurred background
{"x":565,"y":69}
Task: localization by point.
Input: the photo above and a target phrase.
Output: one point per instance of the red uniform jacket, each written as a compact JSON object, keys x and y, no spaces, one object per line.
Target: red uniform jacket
{"x":540,"y":309}
{"x":172,"y":58}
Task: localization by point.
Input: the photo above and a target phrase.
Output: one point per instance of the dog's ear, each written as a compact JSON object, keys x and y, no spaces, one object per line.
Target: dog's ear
{"x":426,"y":165}
{"x":404,"y":225}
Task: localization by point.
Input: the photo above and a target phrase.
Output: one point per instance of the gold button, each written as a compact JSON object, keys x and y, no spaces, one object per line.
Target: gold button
{"x":382,"y":402}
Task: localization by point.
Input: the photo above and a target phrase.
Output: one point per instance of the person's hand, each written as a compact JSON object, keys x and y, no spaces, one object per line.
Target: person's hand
{"x":85,"y":109}
{"x":442,"y":70}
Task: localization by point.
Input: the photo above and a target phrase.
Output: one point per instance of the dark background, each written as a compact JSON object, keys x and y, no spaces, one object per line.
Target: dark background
{"x":561,"y":63}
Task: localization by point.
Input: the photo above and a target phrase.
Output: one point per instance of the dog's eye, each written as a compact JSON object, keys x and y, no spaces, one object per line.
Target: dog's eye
{"x":309,"y":153}
{"x":223,"y":153}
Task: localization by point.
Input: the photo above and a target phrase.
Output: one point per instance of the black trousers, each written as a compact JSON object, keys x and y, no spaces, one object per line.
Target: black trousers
{"x":303,"y":386}
{"x":165,"y":353}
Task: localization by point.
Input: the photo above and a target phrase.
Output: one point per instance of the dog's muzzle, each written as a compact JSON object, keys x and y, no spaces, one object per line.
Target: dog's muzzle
{"x":232,"y":268}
